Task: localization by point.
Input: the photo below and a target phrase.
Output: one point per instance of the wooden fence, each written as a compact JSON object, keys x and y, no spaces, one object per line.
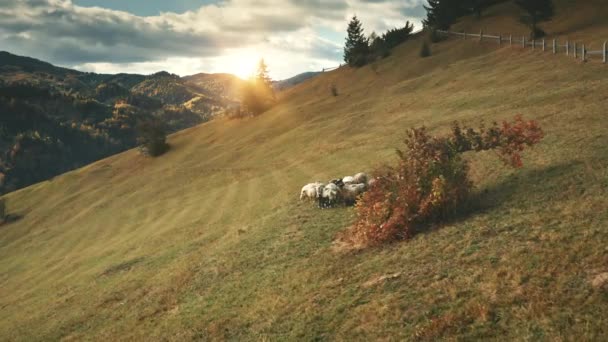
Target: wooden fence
{"x":330,"y":69}
{"x":570,"y":48}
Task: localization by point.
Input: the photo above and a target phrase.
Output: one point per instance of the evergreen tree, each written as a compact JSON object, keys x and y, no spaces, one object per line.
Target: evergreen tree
{"x":377,"y":46}
{"x":258,"y":95}
{"x":441,"y":14}
{"x":477,"y":6}
{"x":536,"y":11}
{"x":262,"y":75}
{"x":394,"y":37}
{"x":356,"y":49}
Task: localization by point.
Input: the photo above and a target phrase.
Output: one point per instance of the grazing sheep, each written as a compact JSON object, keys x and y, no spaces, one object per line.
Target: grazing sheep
{"x":319,"y":189}
{"x":348,"y":180}
{"x":360,"y":178}
{"x":338,"y":182}
{"x":351,"y":192}
{"x":310,"y":191}
{"x":330,"y":195}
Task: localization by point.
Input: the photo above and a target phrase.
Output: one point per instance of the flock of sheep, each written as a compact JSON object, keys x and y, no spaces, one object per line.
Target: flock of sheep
{"x":341,"y":190}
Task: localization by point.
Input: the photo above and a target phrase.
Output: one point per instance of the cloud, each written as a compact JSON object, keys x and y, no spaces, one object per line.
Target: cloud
{"x":70,"y":35}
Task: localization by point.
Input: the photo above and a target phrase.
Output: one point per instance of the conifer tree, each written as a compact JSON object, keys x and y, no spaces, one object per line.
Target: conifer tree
{"x":536,"y":11}
{"x":356,"y":49}
{"x":258,"y":95}
{"x":441,"y":14}
{"x":262,"y":75}
{"x":438,"y":15}
{"x":477,"y":6}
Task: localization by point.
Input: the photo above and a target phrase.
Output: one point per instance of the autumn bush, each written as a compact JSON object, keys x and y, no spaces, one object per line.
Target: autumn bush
{"x":430,"y":181}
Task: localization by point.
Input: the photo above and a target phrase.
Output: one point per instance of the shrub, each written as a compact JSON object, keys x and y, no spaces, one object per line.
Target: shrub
{"x":235,"y":112}
{"x":431,"y":181}
{"x":334,"y":90}
{"x":152,"y":136}
{"x":425,"y":50}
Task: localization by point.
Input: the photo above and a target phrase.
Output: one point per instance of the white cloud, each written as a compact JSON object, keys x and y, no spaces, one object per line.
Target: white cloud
{"x":205,"y":39}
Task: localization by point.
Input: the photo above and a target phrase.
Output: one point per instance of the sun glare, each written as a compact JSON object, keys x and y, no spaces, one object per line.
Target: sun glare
{"x":241,"y":64}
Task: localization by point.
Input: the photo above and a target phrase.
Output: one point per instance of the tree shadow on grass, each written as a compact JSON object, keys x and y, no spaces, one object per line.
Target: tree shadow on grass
{"x":522,"y":188}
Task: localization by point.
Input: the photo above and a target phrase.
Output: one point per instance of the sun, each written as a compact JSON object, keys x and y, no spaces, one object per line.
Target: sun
{"x":241,"y":64}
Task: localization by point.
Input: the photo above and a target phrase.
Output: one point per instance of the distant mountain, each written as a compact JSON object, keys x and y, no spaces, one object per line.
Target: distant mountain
{"x":9,"y":61}
{"x":54,"y":119}
{"x":225,"y":86}
{"x":293,"y":81}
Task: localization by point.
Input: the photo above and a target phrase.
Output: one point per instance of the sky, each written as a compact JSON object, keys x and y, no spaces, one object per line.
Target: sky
{"x":186,"y":37}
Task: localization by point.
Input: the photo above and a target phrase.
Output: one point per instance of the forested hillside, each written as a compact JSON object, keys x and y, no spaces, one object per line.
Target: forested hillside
{"x":56,"y":119}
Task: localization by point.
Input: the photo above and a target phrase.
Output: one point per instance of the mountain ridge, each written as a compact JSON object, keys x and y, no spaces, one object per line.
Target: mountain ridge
{"x":58,"y":110}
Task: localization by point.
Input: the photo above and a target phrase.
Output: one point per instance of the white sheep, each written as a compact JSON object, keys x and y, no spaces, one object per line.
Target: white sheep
{"x":351,"y":192}
{"x":360,"y":178}
{"x":330,"y":195}
{"x":348,"y":180}
{"x":311,"y":191}
{"x":371,"y":182}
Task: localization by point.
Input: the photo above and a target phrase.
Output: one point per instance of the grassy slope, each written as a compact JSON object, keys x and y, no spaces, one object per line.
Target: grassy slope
{"x":209,"y":241}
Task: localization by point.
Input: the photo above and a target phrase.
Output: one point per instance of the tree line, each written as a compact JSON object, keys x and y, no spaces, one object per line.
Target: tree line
{"x":442,"y":14}
{"x":360,"y":50}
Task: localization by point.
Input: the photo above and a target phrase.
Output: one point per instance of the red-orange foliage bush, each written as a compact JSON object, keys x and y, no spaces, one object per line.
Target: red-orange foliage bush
{"x":430,"y":180}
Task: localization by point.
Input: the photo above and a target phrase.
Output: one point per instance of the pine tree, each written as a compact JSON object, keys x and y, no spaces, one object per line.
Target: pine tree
{"x":262,"y":75}
{"x":441,"y":14}
{"x":356,"y":49}
{"x":258,"y":95}
{"x":537,"y":11}
{"x":477,"y":6}
{"x":394,"y":37}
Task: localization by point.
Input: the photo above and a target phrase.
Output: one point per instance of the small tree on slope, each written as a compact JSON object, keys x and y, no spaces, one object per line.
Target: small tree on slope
{"x":536,"y":11}
{"x":356,"y":49}
{"x":258,"y":95}
{"x":151,"y":136}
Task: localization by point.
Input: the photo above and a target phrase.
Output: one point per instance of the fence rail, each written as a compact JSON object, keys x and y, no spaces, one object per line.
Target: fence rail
{"x":332,"y":68}
{"x":570,"y":48}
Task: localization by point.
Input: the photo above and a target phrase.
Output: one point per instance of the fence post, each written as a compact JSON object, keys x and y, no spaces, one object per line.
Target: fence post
{"x":523,"y":41}
{"x":480,"y":36}
{"x":500,"y":39}
{"x":544,"y":45}
{"x":533,"y":44}
{"x":605,"y":52}
{"x":583,"y":54}
{"x":465,"y":35}
{"x":511,"y":39}
{"x":575,"y":50}
{"x":554,"y":46}
{"x":567,"y":47}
